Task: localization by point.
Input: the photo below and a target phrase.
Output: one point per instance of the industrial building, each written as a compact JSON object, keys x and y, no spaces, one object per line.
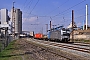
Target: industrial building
{"x":4,"y":16}
{"x":16,"y":22}
{"x":4,"y":20}
{"x":7,"y":26}
{"x":16,"y":19}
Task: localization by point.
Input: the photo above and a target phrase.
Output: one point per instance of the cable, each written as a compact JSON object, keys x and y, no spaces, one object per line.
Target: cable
{"x":66,"y":20}
{"x":75,"y":11}
{"x":33,"y":8}
{"x":65,"y":10}
{"x":69,"y":8}
{"x":58,"y":6}
{"x":24,"y":4}
{"x":80,"y":16}
{"x":29,"y":5}
{"x":58,"y":15}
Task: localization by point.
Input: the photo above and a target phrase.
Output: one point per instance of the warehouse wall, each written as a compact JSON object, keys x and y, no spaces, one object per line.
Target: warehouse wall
{"x":86,"y":37}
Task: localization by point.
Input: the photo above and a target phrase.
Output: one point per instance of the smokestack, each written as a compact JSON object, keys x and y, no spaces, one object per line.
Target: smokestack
{"x":86,"y":16}
{"x":83,"y":24}
{"x":72,"y":25}
{"x":46,"y":28}
{"x":50,"y":25}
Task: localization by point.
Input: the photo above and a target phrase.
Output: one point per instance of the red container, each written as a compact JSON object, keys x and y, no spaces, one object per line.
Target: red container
{"x":38,"y":36}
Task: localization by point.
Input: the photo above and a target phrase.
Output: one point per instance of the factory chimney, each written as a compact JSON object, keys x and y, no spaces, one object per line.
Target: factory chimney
{"x":50,"y":25}
{"x":86,"y":16}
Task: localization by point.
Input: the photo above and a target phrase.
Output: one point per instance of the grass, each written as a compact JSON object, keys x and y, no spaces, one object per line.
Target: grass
{"x":9,"y":52}
{"x":0,"y":46}
{"x":82,"y":41}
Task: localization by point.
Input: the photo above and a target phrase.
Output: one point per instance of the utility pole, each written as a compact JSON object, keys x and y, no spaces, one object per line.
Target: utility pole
{"x":72,"y":25}
{"x":86,"y":16}
{"x":50,"y":23}
{"x":46,"y":28}
{"x":42,"y":30}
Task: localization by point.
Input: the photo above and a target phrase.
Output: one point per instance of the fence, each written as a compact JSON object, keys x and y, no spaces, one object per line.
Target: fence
{"x":4,"y":41}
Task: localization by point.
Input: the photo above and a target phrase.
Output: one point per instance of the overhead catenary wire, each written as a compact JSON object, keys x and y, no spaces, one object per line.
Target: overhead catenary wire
{"x":32,"y":9}
{"x":65,"y":19}
{"x":27,"y":5}
{"x":33,"y":15}
{"x":69,"y":8}
{"x":81,"y":16}
{"x":30,"y":3}
{"x":24,"y":4}
{"x":69,"y":12}
{"x":61,"y":12}
{"x":52,"y":11}
{"x":75,"y":12}
{"x":59,"y":6}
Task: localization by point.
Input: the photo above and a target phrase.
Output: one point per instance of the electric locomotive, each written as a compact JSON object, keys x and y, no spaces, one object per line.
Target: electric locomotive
{"x":59,"y":34}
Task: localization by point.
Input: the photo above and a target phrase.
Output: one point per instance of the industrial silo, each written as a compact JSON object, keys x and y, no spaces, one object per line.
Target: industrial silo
{"x":17,"y":21}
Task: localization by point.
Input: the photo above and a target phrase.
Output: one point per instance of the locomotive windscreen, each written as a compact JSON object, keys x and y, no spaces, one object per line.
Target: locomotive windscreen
{"x":65,"y":32}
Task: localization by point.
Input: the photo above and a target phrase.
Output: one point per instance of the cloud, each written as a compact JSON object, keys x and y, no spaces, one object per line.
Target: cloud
{"x":79,"y":24}
{"x":30,"y":24}
{"x":31,"y":19}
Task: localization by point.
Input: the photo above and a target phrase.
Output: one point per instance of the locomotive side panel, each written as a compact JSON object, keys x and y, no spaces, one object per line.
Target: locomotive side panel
{"x":55,"y":35}
{"x":60,"y":35}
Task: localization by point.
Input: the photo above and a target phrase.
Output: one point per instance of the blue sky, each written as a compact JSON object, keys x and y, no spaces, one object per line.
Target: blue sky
{"x":37,"y":13}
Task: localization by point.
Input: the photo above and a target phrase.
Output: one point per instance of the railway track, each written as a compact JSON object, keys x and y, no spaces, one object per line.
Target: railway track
{"x":77,"y":48}
{"x":73,"y":48}
{"x":82,"y":44}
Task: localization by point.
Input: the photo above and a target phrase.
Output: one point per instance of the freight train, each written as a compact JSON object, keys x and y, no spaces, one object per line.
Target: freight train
{"x":55,"y":34}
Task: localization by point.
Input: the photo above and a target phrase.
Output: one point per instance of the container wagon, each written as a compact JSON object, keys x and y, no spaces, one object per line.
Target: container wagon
{"x":38,"y":36}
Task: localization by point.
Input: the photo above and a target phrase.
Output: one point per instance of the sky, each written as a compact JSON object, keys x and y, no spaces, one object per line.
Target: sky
{"x":38,"y":13}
